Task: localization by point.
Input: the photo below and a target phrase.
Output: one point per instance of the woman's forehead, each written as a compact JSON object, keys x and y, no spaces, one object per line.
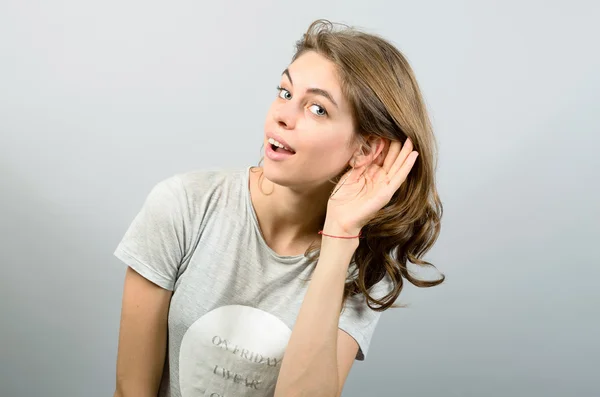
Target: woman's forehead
{"x":313,"y":71}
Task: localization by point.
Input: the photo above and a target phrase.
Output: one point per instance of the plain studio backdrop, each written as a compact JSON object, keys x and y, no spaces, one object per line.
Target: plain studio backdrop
{"x":101,"y":100}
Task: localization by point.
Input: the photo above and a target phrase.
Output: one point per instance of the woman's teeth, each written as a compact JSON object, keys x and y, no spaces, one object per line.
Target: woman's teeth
{"x":279,"y":145}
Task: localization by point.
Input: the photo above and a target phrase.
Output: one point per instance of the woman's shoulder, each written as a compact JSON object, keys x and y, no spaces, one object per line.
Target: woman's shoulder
{"x":190,"y":193}
{"x":199,"y":186}
{"x":201,"y":180}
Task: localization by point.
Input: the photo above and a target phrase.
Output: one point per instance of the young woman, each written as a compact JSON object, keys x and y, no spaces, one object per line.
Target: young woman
{"x":270,"y":280}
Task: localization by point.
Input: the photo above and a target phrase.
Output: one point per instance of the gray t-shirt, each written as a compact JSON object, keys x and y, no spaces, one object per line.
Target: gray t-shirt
{"x":234,"y":300}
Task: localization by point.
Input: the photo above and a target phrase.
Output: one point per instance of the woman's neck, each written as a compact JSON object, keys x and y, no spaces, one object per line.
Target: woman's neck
{"x":289,"y":221}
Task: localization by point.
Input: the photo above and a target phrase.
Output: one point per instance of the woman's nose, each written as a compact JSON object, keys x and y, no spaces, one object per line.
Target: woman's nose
{"x":285,"y":116}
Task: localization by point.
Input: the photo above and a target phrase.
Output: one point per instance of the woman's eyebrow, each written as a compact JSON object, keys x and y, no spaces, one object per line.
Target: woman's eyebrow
{"x":287,"y":73}
{"x":317,"y":91}
{"x":324,"y":93}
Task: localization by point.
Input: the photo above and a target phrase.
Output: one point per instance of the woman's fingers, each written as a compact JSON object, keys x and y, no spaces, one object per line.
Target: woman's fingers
{"x":398,"y":179}
{"x":392,"y":153}
{"x":400,"y":158}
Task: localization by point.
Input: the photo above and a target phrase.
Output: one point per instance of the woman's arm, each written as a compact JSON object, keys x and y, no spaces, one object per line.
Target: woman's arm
{"x":319,"y":356}
{"x":315,"y":363}
{"x":142,"y":337}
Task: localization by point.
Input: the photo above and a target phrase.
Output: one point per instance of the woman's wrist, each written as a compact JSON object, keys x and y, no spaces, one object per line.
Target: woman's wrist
{"x":333,"y":228}
{"x":339,"y":240}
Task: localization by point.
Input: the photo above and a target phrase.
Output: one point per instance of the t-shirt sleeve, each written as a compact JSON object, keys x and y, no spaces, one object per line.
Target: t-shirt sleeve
{"x":154,"y":244}
{"x":359,"y":320}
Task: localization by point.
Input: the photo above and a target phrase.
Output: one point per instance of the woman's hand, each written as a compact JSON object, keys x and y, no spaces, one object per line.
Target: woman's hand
{"x":363,"y":191}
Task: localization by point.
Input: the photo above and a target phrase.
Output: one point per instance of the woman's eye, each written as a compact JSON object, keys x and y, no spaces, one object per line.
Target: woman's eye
{"x":284,"y":94}
{"x":318,"y":110}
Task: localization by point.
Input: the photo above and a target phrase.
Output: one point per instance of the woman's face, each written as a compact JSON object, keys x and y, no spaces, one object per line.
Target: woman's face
{"x":313,"y":119}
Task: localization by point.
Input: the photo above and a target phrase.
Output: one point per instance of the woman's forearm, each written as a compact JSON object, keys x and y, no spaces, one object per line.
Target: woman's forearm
{"x":309,"y":366}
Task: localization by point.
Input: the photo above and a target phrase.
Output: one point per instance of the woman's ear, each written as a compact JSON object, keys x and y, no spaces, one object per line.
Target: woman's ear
{"x":372,"y":151}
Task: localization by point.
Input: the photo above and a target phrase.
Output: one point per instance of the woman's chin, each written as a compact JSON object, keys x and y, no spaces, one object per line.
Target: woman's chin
{"x":275,"y":174}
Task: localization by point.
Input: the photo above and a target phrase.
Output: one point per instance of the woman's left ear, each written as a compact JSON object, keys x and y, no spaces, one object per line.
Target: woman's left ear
{"x":373,"y":151}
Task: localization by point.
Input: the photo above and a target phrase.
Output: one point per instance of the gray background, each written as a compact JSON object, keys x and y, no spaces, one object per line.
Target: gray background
{"x":99,"y":101}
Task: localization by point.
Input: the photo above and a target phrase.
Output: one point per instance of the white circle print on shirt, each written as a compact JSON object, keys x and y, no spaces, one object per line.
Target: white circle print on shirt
{"x":232,"y":351}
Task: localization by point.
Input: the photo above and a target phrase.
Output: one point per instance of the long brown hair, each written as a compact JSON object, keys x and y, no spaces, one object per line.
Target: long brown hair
{"x":386,"y":102}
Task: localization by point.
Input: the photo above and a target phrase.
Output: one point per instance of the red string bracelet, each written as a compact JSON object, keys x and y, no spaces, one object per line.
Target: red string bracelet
{"x":329,"y":235}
